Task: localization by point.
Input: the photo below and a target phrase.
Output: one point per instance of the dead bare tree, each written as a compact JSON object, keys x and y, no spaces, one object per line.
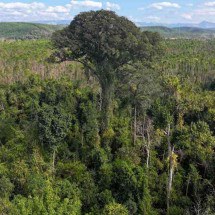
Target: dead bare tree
{"x":171,"y":165}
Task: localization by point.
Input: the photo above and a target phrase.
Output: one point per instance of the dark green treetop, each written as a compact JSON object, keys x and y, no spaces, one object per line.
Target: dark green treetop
{"x":102,"y":37}
{"x":104,"y":42}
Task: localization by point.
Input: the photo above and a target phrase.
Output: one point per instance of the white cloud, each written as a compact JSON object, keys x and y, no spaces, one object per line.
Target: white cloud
{"x":34,"y":11}
{"x":162,"y":5}
{"x":200,"y":14}
{"x":86,"y":3}
{"x":210,"y":4}
{"x":153,"y":18}
{"x":187,"y":16}
{"x":58,"y":9}
{"x":19,"y":11}
{"x":21,"y":6}
{"x":205,"y":12}
{"x":112,"y":6}
{"x":190,"y":5}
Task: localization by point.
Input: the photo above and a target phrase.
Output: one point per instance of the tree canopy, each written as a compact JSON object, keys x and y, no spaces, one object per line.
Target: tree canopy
{"x":104,"y":42}
{"x":104,"y":38}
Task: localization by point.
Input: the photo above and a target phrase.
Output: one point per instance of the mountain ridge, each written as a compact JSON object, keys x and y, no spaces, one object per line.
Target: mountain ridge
{"x":182,"y":32}
{"x":203,"y":24}
{"x":24,"y":30}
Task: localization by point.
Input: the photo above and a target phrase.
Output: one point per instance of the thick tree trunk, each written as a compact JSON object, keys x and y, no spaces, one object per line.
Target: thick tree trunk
{"x":106,"y":106}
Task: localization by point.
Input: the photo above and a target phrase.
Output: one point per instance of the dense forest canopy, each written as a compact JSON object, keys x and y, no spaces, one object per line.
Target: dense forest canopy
{"x":157,"y":155}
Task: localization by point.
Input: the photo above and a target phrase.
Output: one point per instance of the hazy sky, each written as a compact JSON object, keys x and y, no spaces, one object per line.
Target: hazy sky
{"x":183,"y":11}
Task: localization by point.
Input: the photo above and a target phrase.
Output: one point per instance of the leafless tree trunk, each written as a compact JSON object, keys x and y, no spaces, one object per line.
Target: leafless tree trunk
{"x":170,"y":167}
{"x":53,"y":160}
{"x":198,"y":210}
{"x":188,"y":183}
{"x":135,"y":125}
{"x":145,"y":131}
{"x":148,"y":146}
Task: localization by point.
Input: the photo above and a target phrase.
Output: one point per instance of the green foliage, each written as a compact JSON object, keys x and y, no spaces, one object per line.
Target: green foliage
{"x":104,"y":42}
{"x":115,"y":209}
{"x":50,"y":202}
{"x":54,"y":157}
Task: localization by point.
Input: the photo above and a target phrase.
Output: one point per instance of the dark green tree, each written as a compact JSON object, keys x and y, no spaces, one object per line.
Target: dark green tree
{"x":104,"y":42}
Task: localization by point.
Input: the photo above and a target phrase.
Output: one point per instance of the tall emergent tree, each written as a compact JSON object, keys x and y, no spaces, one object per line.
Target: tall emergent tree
{"x":103,"y":42}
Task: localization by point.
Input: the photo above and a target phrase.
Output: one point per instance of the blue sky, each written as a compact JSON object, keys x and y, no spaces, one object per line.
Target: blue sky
{"x":160,"y":11}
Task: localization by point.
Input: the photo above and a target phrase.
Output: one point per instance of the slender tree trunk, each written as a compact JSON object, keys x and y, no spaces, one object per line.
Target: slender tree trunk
{"x":135,"y":125}
{"x":170,"y":168}
{"x":171,"y":172}
{"x":53,"y":160}
{"x":188,"y":183}
{"x":148,"y":140}
{"x":168,"y":140}
{"x":100,"y":101}
{"x":148,"y":147}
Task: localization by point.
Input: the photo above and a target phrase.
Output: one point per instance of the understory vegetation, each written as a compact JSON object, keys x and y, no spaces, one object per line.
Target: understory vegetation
{"x":156,"y":156}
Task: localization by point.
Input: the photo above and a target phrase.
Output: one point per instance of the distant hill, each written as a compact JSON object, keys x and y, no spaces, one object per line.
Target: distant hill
{"x":204,"y":24}
{"x":21,"y":30}
{"x":54,"y":22}
{"x":182,"y":32}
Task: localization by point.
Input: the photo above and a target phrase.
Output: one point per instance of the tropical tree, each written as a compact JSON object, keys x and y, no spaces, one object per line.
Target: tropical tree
{"x":104,"y":42}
